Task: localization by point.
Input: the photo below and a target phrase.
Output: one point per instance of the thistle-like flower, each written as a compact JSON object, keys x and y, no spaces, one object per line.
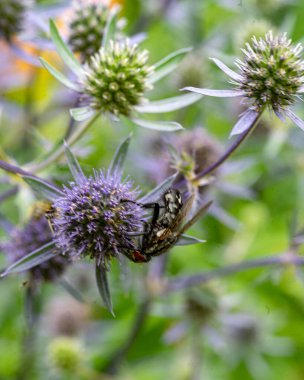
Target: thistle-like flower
{"x":12,"y":16}
{"x":36,"y":233}
{"x":87,"y":27}
{"x":271,"y":75}
{"x":117,"y":78}
{"x":96,"y":217}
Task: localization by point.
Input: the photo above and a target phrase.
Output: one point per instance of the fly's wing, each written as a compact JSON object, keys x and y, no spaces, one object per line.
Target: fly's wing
{"x":199,"y":213}
{"x":178,"y":220}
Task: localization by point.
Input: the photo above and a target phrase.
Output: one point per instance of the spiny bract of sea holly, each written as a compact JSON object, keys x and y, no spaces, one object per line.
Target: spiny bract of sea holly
{"x":35,"y":234}
{"x":87,"y":25}
{"x":97,"y":217}
{"x":116,"y":78}
{"x":271,"y":75}
{"x":12,"y":13}
{"x":272,"y":71}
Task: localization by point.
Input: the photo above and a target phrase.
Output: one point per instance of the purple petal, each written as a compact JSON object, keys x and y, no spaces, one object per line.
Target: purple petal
{"x":245,"y":122}
{"x":232,"y":74}
{"x":294,"y":118}
{"x":217,"y":93}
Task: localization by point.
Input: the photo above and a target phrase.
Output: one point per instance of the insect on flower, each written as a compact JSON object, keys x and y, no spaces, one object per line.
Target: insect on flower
{"x":167,"y":228}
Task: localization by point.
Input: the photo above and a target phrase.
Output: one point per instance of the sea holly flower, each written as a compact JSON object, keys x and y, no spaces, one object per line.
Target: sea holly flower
{"x":100,"y":217}
{"x":271,"y":75}
{"x":33,"y":235}
{"x":115,"y":80}
{"x":87,"y":25}
{"x":13,"y":14}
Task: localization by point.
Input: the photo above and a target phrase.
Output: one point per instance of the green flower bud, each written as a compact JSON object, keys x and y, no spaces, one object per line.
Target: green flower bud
{"x":12,"y":15}
{"x":65,"y":354}
{"x":117,"y":77}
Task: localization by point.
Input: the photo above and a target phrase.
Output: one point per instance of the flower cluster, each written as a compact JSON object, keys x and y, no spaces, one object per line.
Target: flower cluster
{"x":117,"y":77}
{"x":97,"y":217}
{"x":36,"y":233}
{"x":87,"y":26}
{"x":272,"y":72}
{"x":12,"y":15}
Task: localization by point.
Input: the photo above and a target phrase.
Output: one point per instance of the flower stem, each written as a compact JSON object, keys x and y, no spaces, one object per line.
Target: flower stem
{"x":229,"y":151}
{"x":179,"y":283}
{"x":53,"y":156}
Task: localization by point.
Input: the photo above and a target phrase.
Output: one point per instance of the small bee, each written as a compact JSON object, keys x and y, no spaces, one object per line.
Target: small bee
{"x":164,"y":231}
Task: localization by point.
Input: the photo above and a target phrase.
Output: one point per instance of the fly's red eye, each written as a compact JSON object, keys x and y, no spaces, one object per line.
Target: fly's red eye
{"x":139,"y":257}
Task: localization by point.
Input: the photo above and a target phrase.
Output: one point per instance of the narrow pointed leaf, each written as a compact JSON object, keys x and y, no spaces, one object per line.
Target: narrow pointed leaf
{"x":39,"y":256}
{"x":116,"y":165}
{"x":64,"y":52}
{"x":216,"y":93}
{"x":59,"y":76}
{"x":168,"y":64}
{"x":170,"y":104}
{"x":81,"y":113}
{"x":72,"y":291}
{"x":245,"y":122}
{"x":103,"y":287}
{"x":110,"y":29}
{"x":165,"y":126}
{"x":232,"y":74}
{"x":74,"y":166}
{"x":188,"y":240}
{"x":158,"y":191}
{"x":196,"y":216}
{"x":294,"y":118}
{"x":43,"y":188}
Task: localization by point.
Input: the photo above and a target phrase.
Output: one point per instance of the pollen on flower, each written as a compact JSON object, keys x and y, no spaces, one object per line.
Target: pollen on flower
{"x":117,"y":78}
{"x":97,"y":218}
{"x":272,"y":72}
{"x":12,"y":15}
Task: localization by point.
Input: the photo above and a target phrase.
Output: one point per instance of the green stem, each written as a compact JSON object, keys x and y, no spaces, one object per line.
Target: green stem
{"x":34,"y":168}
{"x":179,"y":283}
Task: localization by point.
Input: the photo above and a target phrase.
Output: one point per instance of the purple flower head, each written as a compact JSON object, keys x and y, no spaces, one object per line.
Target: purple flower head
{"x":36,"y":233}
{"x":97,"y":216}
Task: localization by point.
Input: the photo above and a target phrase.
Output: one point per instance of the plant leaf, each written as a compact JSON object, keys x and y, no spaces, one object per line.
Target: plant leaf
{"x":216,"y":93}
{"x":170,"y":104}
{"x":59,"y":76}
{"x":103,"y":287}
{"x":65,"y":53}
{"x":43,"y":188}
{"x":168,"y":64}
{"x":158,"y":191}
{"x":165,"y":126}
{"x":81,"y":113}
{"x":74,"y":166}
{"x":39,"y":256}
{"x":71,"y":290}
{"x":232,"y":74}
{"x":188,"y":240}
{"x":118,"y":160}
{"x":244,"y":123}
{"x":110,"y":29}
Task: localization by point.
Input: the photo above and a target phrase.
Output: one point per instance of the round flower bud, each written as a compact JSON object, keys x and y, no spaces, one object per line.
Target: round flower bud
{"x":272,"y":72}
{"x":86,"y":27}
{"x":12,"y":15}
{"x":35,"y":234}
{"x":117,"y":77}
{"x":65,"y":354}
{"x":97,"y":217}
